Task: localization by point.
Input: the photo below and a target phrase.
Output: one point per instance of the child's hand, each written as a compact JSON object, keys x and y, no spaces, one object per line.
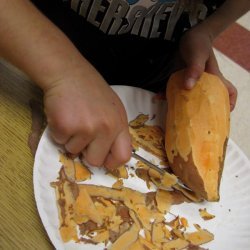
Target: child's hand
{"x":85,"y":115}
{"x":83,"y":112}
{"x":197,"y":53}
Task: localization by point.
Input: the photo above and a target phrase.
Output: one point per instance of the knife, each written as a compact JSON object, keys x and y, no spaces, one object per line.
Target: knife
{"x":156,"y":168}
{"x":148,"y":163}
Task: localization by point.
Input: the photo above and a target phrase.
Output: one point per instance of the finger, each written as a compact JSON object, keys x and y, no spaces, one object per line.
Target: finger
{"x":97,"y":150}
{"x":233,"y":94}
{"x":232,"y":91}
{"x":77,"y":144}
{"x":212,"y":66}
{"x":120,"y":152}
{"x":58,"y":137}
{"x":195,"y":66}
{"x":192,"y":75}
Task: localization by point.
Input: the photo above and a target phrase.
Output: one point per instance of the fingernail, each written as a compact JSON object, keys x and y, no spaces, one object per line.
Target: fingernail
{"x":190,"y":83}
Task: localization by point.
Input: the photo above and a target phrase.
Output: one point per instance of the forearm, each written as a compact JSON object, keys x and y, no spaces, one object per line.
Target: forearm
{"x":224,"y":16}
{"x":32,"y":43}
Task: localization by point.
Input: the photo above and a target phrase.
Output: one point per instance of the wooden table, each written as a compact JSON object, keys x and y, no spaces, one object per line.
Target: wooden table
{"x":20,"y":225}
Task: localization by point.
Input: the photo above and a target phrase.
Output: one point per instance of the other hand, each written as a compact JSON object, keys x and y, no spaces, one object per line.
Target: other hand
{"x":197,"y":54}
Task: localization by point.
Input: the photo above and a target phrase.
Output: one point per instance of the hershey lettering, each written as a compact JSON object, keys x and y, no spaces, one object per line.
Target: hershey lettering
{"x":145,"y":18}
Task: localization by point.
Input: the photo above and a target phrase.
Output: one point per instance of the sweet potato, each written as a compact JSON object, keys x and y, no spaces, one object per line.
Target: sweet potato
{"x":197,"y":130}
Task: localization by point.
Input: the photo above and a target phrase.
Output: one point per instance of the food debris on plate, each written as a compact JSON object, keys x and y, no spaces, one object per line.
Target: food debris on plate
{"x":119,"y":216}
{"x":205,"y":215}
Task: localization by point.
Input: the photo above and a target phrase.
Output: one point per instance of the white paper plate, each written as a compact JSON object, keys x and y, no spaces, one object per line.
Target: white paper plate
{"x":231,"y":226}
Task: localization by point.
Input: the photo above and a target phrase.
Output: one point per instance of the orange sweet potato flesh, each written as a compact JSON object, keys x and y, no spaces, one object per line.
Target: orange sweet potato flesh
{"x":197,"y":129}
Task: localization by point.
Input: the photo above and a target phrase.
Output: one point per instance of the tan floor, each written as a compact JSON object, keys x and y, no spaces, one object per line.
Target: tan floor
{"x":240,"y":117}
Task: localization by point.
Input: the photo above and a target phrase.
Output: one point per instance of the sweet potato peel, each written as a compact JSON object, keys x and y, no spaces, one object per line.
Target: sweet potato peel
{"x":150,"y":138}
{"x":75,"y":170}
{"x":205,"y":215}
{"x":66,"y":208}
{"x":120,"y":217}
{"x":116,"y":217}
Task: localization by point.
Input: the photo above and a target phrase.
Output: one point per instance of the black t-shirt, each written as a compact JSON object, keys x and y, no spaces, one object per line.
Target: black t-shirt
{"x":130,"y":42}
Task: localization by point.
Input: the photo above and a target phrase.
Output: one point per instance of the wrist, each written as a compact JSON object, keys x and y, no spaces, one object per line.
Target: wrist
{"x":68,"y":73}
{"x":198,"y":33}
{"x":55,"y":70}
{"x":224,"y":16}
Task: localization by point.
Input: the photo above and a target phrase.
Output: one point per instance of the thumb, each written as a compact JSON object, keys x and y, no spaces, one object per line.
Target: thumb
{"x":192,"y":74}
{"x":195,"y":61}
